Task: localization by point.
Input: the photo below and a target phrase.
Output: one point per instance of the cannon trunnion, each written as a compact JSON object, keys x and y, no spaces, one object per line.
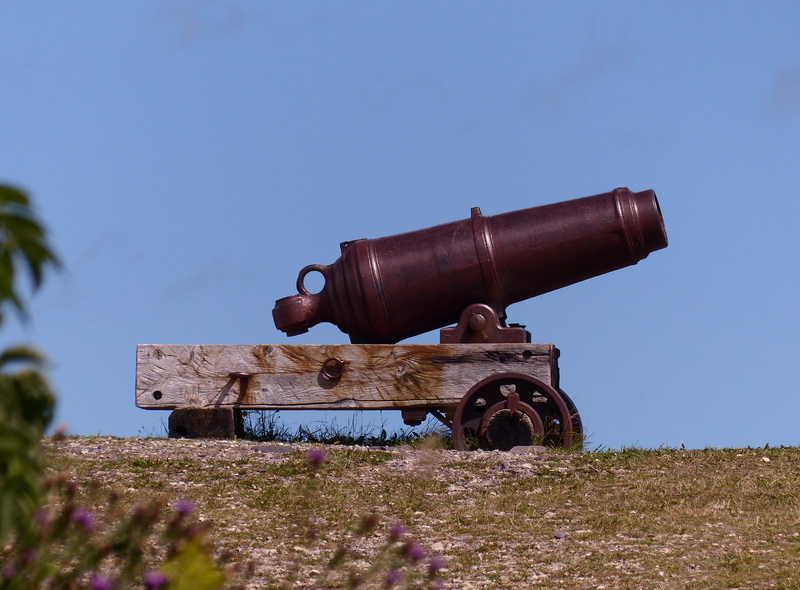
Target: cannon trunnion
{"x":485,"y":379}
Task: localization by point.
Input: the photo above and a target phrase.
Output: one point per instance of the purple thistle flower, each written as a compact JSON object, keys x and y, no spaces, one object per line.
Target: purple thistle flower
{"x":316,"y":457}
{"x":41,"y":517}
{"x":397,"y":531}
{"x":9,"y":571}
{"x":436,"y":563}
{"x":184,"y":506}
{"x":30,"y":556}
{"x":414,"y":552}
{"x":60,"y":432}
{"x":154,"y":580}
{"x":101,"y":583}
{"x":84,"y":518}
{"x":393,"y":578}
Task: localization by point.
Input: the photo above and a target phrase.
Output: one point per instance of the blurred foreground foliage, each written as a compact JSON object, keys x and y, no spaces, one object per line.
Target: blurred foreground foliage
{"x":23,"y":246}
{"x":48,"y":538}
{"x":26,"y":398}
{"x":26,"y":409}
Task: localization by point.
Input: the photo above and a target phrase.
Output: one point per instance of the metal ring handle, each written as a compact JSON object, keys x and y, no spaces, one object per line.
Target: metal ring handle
{"x":333,"y":368}
{"x":320,"y":268}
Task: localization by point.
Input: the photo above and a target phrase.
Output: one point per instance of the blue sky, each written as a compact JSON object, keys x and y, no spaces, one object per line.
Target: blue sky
{"x":190,"y":157}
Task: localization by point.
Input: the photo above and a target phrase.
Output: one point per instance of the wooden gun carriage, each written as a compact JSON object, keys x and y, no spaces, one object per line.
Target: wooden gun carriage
{"x":485,"y":379}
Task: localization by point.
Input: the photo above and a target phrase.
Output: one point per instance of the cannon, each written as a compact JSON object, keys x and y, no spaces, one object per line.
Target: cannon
{"x":388,"y":289}
{"x":485,"y":379}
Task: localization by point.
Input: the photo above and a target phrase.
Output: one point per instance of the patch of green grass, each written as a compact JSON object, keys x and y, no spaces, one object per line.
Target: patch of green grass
{"x":637,"y":518}
{"x":266,"y":425}
{"x":337,"y":461}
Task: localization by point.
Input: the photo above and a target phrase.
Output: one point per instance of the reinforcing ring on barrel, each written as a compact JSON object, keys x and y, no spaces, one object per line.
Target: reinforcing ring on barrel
{"x":513,"y":409}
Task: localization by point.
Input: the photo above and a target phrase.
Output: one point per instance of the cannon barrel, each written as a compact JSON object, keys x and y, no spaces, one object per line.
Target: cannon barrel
{"x":387,"y":289}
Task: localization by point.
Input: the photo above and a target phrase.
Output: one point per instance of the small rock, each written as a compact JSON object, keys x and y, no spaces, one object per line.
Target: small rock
{"x":277,"y":449}
{"x":525,"y":450}
{"x":560,"y":535}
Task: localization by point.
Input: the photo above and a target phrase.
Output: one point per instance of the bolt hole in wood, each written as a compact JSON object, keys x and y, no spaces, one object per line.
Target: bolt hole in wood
{"x":527,"y":354}
{"x":157,"y":394}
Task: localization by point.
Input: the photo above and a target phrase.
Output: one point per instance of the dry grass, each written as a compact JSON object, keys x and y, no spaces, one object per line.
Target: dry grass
{"x":629,"y":519}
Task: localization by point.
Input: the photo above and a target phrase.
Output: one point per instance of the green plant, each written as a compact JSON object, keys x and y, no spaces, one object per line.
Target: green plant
{"x":267,"y":426}
{"x":23,"y":243}
{"x":73,"y":545}
{"x":26,"y":399}
{"x":48,"y":539}
{"x":26,"y":409}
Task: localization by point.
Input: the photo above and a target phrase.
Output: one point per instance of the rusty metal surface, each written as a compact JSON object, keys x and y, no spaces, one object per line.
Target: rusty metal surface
{"x":479,"y":323}
{"x":387,"y":289}
{"x":333,"y":369}
{"x":510,"y":409}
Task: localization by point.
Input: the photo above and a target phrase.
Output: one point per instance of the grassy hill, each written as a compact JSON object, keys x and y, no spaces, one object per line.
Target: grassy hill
{"x":704,"y":519}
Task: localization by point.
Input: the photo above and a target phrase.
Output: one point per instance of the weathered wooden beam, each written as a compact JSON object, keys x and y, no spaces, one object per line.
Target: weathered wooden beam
{"x":373,"y":376}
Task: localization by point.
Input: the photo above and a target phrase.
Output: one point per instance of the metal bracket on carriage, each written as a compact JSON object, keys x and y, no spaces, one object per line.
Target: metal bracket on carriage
{"x":480,"y":323}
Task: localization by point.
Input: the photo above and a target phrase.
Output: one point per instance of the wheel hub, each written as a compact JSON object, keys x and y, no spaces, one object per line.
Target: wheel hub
{"x":514,"y":409}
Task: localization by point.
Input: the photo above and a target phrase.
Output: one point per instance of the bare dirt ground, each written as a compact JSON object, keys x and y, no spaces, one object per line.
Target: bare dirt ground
{"x":661,"y":518}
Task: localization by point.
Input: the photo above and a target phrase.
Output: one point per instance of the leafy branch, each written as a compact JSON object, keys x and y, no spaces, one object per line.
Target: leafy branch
{"x":23,"y":248}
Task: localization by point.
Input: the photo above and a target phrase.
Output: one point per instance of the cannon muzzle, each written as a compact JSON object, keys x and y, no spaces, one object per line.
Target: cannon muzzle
{"x":387,"y":289}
